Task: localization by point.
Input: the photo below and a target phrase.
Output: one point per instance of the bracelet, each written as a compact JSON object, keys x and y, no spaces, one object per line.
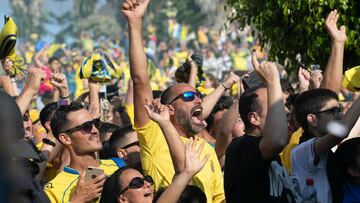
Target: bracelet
{"x":49,"y":142}
{"x":65,"y":97}
{"x":222,"y":84}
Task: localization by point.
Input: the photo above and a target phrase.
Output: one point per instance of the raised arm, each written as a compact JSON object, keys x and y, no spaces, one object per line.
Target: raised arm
{"x":94,"y":99}
{"x":275,"y":136}
{"x":133,"y":11}
{"x":224,"y":136}
{"x":193,"y":164}
{"x":160,"y":114}
{"x":334,"y":68}
{"x":58,"y":80}
{"x":193,"y":71}
{"x":210,"y":100}
{"x":32,"y":85}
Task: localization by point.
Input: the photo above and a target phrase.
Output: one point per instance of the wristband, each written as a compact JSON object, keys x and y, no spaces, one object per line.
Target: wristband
{"x":222,"y":84}
{"x":63,"y":102}
{"x":13,"y":79}
{"x":49,"y":142}
{"x":65,"y":97}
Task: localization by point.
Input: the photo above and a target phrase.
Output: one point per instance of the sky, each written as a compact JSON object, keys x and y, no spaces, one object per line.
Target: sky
{"x":57,"y":7}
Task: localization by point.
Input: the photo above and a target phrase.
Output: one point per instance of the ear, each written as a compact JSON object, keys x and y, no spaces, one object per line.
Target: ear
{"x":47,"y":125}
{"x":122,"y":153}
{"x":122,"y":198}
{"x":65,"y":139}
{"x":353,"y":172}
{"x":171,"y":109}
{"x":254,"y":118}
{"x":312,"y":120}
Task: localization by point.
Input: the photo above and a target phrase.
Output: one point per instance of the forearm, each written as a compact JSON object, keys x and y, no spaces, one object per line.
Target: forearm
{"x":275,"y":135}
{"x":24,"y":100}
{"x":94,"y":97}
{"x":138,"y":62}
{"x":193,"y":72}
{"x":352,"y":115}
{"x":6,"y":84}
{"x":176,"y":146}
{"x":355,"y":131}
{"x":210,"y":100}
{"x":173,"y":192}
{"x":227,"y":123}
{"x":334,"y":68}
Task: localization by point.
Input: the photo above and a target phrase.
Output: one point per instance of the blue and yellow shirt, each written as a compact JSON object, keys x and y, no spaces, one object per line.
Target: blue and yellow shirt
{"x":62,"y":187}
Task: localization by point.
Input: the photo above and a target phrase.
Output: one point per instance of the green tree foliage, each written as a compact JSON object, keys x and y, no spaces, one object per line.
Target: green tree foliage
{"x":298,"y":27}
{"x":29,"y":17}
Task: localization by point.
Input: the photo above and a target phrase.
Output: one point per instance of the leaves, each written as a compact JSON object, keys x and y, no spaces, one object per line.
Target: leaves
{"x":298,"y":27}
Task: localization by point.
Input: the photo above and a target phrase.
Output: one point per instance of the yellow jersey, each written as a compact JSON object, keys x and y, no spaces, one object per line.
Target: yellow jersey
{"x":62,"y":187}
{"x":285,"y":155}
{"x":156,"y":162}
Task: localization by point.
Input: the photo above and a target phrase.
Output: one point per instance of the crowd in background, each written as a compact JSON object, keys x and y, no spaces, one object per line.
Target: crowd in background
{"x":197,"y":117}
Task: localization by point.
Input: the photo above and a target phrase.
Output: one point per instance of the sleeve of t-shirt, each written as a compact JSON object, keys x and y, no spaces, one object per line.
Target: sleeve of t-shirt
{"x":218,"y":187}
{"x":303,"y":156}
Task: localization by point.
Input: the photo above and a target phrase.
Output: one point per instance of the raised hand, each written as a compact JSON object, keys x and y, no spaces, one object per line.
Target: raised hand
{"x":7,"y":65}
{"x":134,"y":9}
{"x":316,"y":78}
{"x":34,"y":78}
{"x":193,"y":164}
{"x":304,"y":78}
{"x":157,"y":112}
{"x":87,"y":191}
{"x":336,"y":35}
{"x":268,"y":71}
{"x":230,"y":80}
{"x":58,"y":80}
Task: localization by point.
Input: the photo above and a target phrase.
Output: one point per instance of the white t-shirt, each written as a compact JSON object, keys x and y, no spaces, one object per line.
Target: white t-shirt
{"x":303,"y":167}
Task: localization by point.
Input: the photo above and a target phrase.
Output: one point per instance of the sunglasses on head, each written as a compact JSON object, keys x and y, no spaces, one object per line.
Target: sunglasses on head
{"x":337,"y":112}
{"x":137,"y":183}
{"x":85,"y":127}
{"x":187,"y":96}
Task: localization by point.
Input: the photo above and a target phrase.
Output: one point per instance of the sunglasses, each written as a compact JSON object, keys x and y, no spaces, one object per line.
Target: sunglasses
{"x":85,"y":127}
{"x":131,"y":145}
{"x":187,"y":96}
{"x":137,"y":183}
{"x":337,"y":112}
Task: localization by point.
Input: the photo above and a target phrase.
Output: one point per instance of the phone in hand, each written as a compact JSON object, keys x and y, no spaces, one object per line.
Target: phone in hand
{"x":92,"y":173}
{"x":252,"y":81}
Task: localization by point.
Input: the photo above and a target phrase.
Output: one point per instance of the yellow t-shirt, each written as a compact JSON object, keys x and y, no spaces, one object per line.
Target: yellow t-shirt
{"x":61,"y":188}
{"x":130,"y":111}
{"x":285,"y":155}
{"x":156,"y":162}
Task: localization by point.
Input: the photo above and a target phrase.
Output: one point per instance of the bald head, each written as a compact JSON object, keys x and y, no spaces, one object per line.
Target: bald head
{"x":171,"y":92}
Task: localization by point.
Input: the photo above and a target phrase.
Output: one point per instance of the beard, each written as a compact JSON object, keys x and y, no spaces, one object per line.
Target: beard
{"x":184,"y":121}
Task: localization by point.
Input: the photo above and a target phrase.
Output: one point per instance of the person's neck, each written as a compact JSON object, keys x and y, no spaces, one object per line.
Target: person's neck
{"x":254,"y":132}
{"x":82,"y":162}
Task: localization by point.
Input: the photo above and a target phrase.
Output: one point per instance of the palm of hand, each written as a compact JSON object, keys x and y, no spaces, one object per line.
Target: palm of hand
{"x":159,"y":114}
{"x":193,"y":163}
{"x":335,"y":33}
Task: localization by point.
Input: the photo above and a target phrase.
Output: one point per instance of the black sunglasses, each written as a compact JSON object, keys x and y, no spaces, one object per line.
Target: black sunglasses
{"x":337,"y":112}
{"x":137,"y":183}
{"x":131,"y":145}
{"x":187,"y":96}
{"x":85,"y":127}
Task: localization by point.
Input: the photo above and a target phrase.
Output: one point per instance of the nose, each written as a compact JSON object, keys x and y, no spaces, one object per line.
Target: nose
{"x":198,"y":100}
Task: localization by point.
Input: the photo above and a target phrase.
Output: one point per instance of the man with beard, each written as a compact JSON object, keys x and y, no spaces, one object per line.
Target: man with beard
{"x":186,"y":110}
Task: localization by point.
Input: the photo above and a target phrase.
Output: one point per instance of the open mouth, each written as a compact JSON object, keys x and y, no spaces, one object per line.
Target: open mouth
{"x":197,"y":113}
{"x":148,"y":193}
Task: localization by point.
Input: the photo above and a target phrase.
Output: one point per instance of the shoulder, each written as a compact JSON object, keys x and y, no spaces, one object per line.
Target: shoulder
{"x":246,"y":141}
{"x":111,"y":165}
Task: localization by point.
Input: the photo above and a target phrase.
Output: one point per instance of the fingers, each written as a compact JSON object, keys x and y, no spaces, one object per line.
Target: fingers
{"x":99,"y":179}
{"x":255,"y":61}
{"x":343,"y":29}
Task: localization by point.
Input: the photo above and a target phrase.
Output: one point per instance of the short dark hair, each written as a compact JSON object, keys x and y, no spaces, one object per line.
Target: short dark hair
{"x":249,"y":103}
{"x":52,"y":59}
{"x":60,"y":118}
{"x":224,"y":102}
{"x":166,"y":95}
{"x":112,"y":145}
{"x":47,"y":113}
{"x":347,"y":153}
{"x":286,"y":86}
{"x":156,"y":94}
{"x":311,"y":101}
{"x":124,"y":116}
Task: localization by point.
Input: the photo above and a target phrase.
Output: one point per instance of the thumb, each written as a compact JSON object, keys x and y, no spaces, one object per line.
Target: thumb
{"x":146,"y":2}
{"x":343,"y":29}
{"x":254,"y":60}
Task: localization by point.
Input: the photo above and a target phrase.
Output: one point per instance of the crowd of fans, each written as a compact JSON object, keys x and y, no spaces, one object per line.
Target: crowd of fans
{"x":165,"y":123}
